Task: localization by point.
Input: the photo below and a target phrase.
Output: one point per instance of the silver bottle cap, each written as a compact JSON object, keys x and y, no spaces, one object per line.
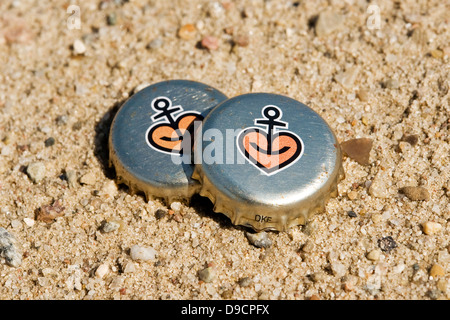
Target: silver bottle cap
{"x":267,"y":161}
{"x":148,"y":138}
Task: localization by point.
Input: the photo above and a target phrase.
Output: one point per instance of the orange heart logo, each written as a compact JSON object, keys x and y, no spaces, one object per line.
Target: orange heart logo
{"x":167,"y":136}
{"x":270,"y":151}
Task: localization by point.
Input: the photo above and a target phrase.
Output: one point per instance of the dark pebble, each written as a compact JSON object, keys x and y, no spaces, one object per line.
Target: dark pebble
{"x":49,"y":142}
{"x":387,"y":244}
{"x":111,"y":19}
{"x":160,"y":213}
{"x":412,"y":139}
{"x":352,"y":214}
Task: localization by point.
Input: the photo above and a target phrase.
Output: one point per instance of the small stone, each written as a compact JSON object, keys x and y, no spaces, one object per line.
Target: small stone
{"x":110,"y":226}
{"x":207,"y":275}
{"x":155,"y":44}
{"x":116,"y":283}
{"x":363,"y":95}
{"x":29,"y":222}
{"x":187,"y":32}
{"x":374,"y":255}
{"x":242,"y":40}
{"x":416,"y":193}
{"x":49,"y":142}
{"x":358,"y":149}
{"x":160,"y":213}
{"x":347,"y":78}
{"x":412,"y":139}
{"x":245,"y":282}
{"x":259,"y":239}
{"x":387,"y":244}
{"x":437,"y":271}
{"x":129,"y":267}
{"x":314,"y":297}
{"x":378,"y":187}
{"x":72,"y":178}
{"x":110,"y":189}
{"x":339,"y":270}
{"x":430,"y":227}
{"x":352,"y":214}
{"x":308,"y":247}
{"x":327,"y":22}
{"x":142,"y":253}
{"x":437,"y":54}
{"x":352,"y":195}
{"x":176,"y":206}
{"x":227,"y":294}
{"x":16,"y":224}
{"x":111,"y":19}
{"x":89,"y":178}
{"x":79,"y":47}
{"x":8,"y":249}
{"x":36,"y":171}
{"x":48,"y":213}
{"x":391,"y":84}
{"x":210,"y":43}
{"x":102,"y":270}
{"x":376,"y":218}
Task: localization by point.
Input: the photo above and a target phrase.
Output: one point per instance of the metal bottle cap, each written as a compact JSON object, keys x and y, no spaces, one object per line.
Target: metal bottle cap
{"x":149,"y":133}
{"x":267,"y":161}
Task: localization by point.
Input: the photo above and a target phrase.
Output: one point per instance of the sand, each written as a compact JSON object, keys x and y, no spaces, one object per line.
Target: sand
{"x":378,"y":83}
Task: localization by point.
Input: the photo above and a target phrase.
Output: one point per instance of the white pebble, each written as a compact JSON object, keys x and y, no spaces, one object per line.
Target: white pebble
{"x":36,"y":171}
{"x":29,"y":222}
{"x":176,"y":206}
{"x":79,"y":47}
{"x":102,"y":270}
{"x":142,"y":253}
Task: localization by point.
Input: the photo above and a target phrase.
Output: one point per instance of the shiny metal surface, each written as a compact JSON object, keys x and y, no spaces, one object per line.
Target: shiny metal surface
{"x":139,"y":163}
{"x":259,"y":198}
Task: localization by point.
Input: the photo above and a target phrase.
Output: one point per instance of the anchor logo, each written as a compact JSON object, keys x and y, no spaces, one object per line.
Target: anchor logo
{"x":167,"y":135}
{"x":272,"y":149}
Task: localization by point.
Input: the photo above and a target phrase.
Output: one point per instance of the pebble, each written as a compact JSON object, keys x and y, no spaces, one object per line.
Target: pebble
{"x":36,"y":171}
{"x":160,"y":213}
{"x":8,"y":249}
{"x":72,"y":178}
{"x":387,"y":244}
{"x":142,"y":253}
{"x":376,"y":218}
{"x":48,"y":213}
{"x":378,"y":187}
{"x":210,"y":43}
{"x":187,"y":32}
{"x":308,"y":247}
{"x":352,"y":214}
{"x":374,"y":255}
{"x":352,"y":195}
{"x":89,"y":178}
{"x":102,"y":270}
{"x":358,"y":149}
{"x":437,"y":271}
{"x":328,"y":22}
{"x":111,"y":19}
{"x":430,"y":227}
{"x":416,"y":193}
{"x":227,"y":294}
{"x":363,"y":95}
{"x":259,"y":239}
{"x":79,"y":47}
{"x":110,"y":226}
{"x":175,"y":206}
{"x":155,"y":44}
{"x":412,"y":139}
{"x":339,"y":270}
{"x":49,"y":142}
{"x":129,"y":267}
{"x":242,"y":40}
{"x":391,"y":84}
{"x":245,"y":282}
{"x":207,"y":275}
{"x":347,"y":78}
{"x":29,"y":222}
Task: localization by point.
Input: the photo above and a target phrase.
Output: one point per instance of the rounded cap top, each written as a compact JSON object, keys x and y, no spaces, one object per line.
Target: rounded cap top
{"x":267,"y":161}
{"x":146,"y":136}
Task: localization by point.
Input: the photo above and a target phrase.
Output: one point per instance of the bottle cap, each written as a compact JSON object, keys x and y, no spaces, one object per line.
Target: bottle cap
{"x":151,"y":134}
{"x":267,"y":161}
